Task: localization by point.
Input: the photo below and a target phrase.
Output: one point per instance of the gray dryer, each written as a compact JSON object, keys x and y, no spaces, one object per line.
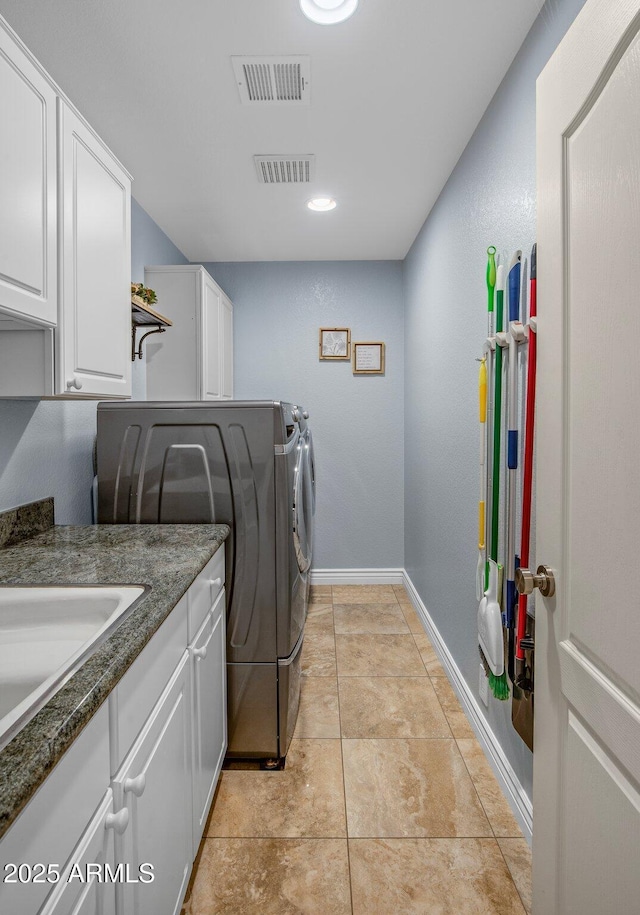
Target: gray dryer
{"x":248,"y":464}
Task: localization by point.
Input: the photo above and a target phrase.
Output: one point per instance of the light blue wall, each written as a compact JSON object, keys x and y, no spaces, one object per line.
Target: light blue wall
{"x":149,"y":246}
{"x":489,"y":199}
{"x":357,"y":421}
{"x":46,"y":447}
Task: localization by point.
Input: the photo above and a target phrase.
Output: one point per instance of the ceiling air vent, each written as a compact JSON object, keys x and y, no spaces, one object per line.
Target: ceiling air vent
{"x":284,"y":169}
{"x":273,"y":80}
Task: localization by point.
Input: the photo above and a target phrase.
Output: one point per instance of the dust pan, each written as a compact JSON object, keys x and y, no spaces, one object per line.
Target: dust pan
{"x":490,"y":624}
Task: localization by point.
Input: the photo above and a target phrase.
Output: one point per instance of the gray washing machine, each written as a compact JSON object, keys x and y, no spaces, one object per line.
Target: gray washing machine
{"x":248,"y":464}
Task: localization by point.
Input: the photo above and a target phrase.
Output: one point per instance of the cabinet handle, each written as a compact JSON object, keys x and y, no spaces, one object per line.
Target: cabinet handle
{"x":199,"y":652}
{"x":215,"y":582}
{"x":135,"y":785}
{"x":74,"y":383}
{"x":117,"y":821}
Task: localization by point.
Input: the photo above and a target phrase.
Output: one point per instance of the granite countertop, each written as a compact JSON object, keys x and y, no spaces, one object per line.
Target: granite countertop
{"x":168,"y":557}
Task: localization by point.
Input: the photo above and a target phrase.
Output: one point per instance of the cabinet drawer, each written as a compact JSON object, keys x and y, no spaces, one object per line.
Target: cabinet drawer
{"x":203,"y":592}
{"x":48,"y":829}
{"x":133,"y":699}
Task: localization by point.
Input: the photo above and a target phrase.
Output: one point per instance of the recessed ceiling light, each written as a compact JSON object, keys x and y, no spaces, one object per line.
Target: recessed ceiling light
{"x":328,"y":12}
{"x":321,"y":204}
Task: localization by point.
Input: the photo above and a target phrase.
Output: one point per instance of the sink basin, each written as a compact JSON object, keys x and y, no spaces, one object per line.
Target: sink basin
{"x":46,"y":634}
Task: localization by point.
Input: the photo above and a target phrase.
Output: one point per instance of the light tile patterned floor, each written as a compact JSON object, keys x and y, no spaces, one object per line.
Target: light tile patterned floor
{"x":387,"y":805}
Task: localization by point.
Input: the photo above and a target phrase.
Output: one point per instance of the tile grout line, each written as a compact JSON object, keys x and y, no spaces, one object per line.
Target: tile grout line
{"x":473,"y":781}
{"x":526,"y":910}
{"x":486,"y":813}
{"x":475,"y":788}
{"x":276,"y":838}
{"x":446,"y":717}
{"x":344,"y":786}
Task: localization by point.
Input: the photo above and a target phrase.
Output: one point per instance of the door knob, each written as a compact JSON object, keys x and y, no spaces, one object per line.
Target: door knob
{"x":74,"y":383}
{"x":544,"y":580}
{"x":199,"y":652}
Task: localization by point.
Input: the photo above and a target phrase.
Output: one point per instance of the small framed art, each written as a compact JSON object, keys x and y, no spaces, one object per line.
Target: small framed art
{"x":335,"y":343}
{"x":368,"y":358}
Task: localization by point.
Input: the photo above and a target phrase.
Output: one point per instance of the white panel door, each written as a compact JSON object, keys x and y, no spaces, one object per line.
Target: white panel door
{"x":586,"y":842}
{"x":86,"y":886}
{"x":155,"y":785}
{"x":95,"y":337}
{"x":28,"y":269}
{"x":211,"y":341}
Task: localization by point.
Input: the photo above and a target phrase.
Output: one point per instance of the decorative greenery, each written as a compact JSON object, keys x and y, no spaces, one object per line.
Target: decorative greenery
{"x":147,"y":295}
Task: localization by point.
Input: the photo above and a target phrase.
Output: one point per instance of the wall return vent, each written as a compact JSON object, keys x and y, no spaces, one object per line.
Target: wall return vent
{"x":273,"y":80}
{"x":284,"y":169}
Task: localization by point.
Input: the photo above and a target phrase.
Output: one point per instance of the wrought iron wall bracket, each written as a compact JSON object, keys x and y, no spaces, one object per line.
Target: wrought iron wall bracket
{"x":137,"y":351}
{"x":144,"y":316}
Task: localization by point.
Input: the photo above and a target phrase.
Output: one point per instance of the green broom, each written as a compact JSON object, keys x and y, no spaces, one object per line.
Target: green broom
{"x":499,"y":684}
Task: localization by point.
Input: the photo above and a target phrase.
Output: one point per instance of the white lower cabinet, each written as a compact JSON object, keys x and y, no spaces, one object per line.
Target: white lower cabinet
{"x":209,"y":678}
{"x":121,"y":816}
{"x":55,"y":821}
{"x":154,"y":786}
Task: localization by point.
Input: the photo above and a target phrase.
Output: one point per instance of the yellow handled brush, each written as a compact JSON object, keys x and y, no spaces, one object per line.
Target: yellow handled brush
{"x":482,"y":404}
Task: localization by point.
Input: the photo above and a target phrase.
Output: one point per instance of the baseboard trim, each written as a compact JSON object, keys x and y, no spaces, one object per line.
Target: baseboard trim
{"x":357,"y":576}
{"x":509,"y":781}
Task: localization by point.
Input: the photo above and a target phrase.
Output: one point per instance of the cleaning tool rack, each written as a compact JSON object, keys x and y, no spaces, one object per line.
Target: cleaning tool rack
{"x":505,"y":629}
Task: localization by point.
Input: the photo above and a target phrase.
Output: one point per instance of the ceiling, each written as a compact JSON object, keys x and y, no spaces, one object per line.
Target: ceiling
{"x":396,"y":92}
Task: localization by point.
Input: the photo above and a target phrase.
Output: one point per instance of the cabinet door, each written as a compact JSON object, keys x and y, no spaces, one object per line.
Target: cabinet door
{"x":52,"y":823}
{"x":210,"y":343}
{"x":86,"y":884}
{"x":154,"y":784}
{"x":95,"y":317}
{"x":227,"y":349}
{"x":28,"y":269}
{"x":209,"y":713}
{"x":174,"y":367}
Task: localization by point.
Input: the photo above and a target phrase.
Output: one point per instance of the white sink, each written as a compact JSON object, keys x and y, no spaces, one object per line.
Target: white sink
{"x":46,"y":634}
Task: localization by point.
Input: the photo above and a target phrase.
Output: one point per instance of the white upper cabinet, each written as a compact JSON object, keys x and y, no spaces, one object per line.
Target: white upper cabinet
{"x":95,"y":332}
{"x":28,"y":269}
{"x":65,"y":243}
{"x":193,"y":360}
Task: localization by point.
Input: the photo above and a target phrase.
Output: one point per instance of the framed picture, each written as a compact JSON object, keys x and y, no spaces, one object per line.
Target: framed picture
{"x":368,"y":358}
{"x":335,"y":343}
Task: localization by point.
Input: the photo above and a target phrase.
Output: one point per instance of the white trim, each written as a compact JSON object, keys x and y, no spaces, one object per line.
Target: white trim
{"x":509,"y":781}
{"x":357,"y":576}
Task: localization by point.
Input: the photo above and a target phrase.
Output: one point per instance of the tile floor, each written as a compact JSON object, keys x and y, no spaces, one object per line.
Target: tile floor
{"x":387,"y":805}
